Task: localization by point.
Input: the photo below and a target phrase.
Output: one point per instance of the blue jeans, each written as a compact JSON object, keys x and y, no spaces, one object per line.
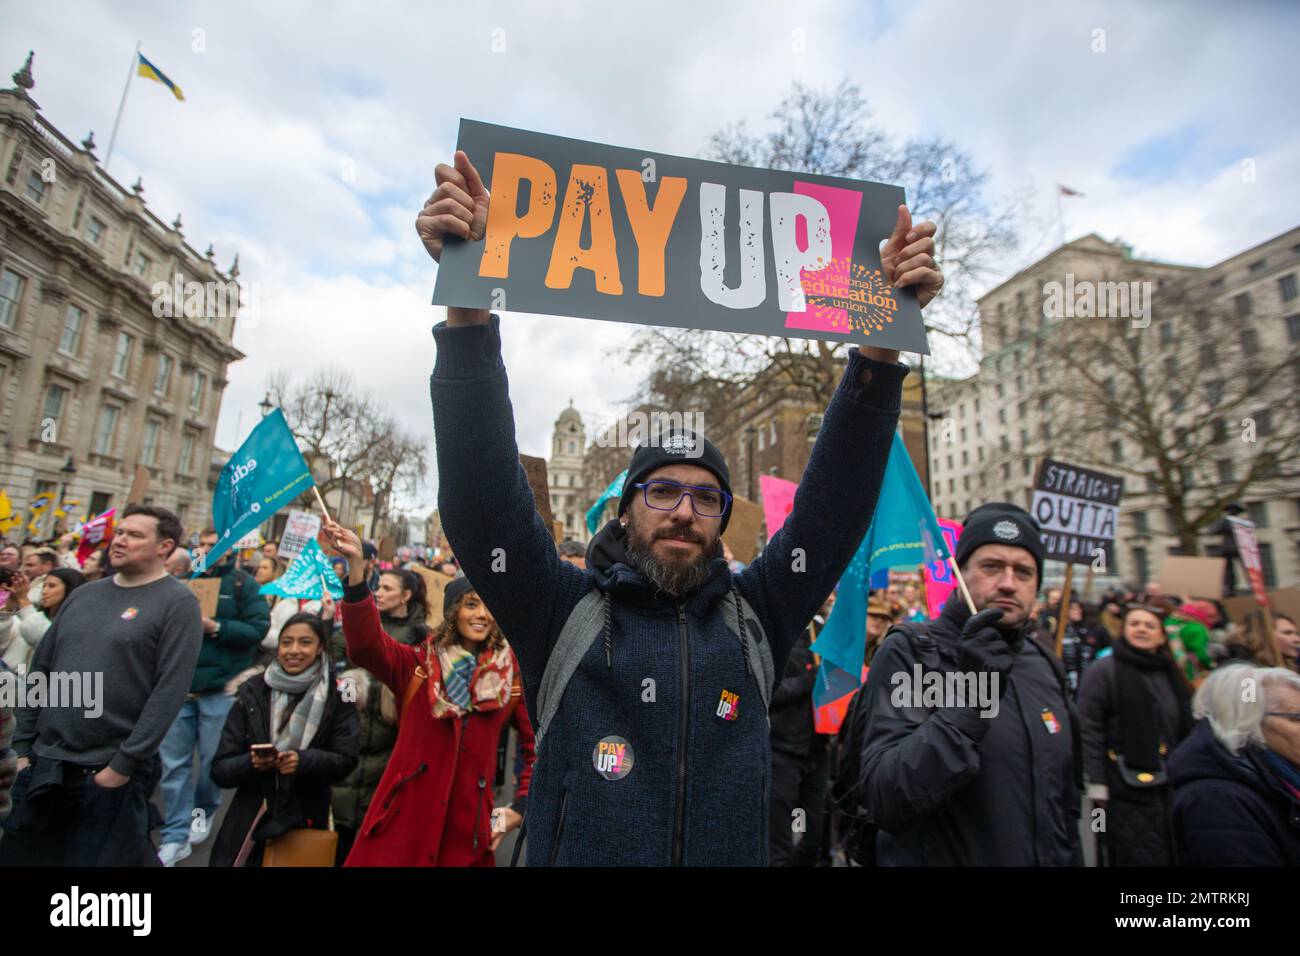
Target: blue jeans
{"x":199,"y":723}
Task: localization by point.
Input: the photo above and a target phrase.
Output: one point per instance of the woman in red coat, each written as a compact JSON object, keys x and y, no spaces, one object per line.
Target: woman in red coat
{"x":456,"y":691}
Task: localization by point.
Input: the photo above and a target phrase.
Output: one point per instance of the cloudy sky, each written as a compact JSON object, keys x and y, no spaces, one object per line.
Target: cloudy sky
{"x":310,"y":132}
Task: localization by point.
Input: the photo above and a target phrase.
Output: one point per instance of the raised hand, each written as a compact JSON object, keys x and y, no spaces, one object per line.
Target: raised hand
{"x":458,"y":207}
{"x":908,"y":257}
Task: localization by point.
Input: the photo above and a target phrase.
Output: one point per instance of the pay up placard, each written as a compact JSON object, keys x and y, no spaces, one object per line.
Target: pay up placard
{"x":602,"y":232}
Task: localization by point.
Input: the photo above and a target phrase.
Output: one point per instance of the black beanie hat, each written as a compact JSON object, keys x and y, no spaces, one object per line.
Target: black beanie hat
{"x":1001,"y":523}
{"x":456,"y":588}
{"x":677,"y":447}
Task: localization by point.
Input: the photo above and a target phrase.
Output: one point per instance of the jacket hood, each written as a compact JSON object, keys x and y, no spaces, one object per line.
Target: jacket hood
{"x":611,"y":567}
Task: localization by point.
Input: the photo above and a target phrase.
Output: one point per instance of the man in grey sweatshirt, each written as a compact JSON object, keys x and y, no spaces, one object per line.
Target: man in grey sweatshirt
{"x":107,"y":681}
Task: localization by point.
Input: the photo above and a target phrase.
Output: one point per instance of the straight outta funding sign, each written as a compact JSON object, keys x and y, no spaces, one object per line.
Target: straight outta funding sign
{"x":1078,"y":511}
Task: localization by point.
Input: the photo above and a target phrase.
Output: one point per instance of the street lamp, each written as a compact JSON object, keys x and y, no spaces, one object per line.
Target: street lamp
{"x":750,"y":431}
{"x":68,"y":470}
{"x":265,"y":405}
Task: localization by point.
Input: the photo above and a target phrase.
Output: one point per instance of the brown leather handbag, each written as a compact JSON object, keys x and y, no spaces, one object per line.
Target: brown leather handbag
{"x":301,"y":847}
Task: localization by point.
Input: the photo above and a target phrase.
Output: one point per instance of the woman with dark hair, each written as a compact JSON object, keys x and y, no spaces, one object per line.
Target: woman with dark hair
{"x":289,"y":736}
{"x":34,"y":621}
{"x":1134,"y":709}
{"x":457,"y":690}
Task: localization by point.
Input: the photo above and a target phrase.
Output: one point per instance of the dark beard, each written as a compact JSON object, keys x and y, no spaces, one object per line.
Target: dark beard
{"x":673,"y":578}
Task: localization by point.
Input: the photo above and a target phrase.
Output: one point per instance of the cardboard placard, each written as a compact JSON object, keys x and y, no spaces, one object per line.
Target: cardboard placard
{"x":1077,"y":510}
{"x":1195,"y":577}
{"x":139,"y":486}
{"x":1281,"y":601}
{"x":630,"y":235}
{"x":207,"y":590}
{"x":744,"y":528}
{"x":535,"y":470}
{"x":387,"y":548}
{"x":435,"y":583}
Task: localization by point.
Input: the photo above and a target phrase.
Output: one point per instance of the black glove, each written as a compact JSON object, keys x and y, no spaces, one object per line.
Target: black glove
{"x":984,"y":648}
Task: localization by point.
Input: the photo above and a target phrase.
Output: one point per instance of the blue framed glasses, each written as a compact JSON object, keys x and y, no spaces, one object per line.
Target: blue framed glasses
{"x":667,"y":495}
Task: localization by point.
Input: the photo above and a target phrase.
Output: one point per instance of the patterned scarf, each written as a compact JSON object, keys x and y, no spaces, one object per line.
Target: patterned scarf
{"x":458,"y":686}
{"x":292,"y":691}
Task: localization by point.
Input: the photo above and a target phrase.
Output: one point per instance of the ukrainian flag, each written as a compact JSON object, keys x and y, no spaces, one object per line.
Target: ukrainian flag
{"x":147,"y":69}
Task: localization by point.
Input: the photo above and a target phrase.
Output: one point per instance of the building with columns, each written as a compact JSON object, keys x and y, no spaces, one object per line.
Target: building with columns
{"x":103,"y":366}
{"x":564,"y":469}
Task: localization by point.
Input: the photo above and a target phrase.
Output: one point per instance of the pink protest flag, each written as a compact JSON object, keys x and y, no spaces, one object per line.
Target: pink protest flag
{"x":939,"y":578}
{"x":778,"y":500}
{"x":94,"y":532}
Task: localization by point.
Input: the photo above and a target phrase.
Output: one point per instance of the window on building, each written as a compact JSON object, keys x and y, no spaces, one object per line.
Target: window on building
{"x":1242,"y":304}
{"x":965,"y":457}
{"x":162,"y":379}
{"x":1026,"y":466}
{"x":977,"y":406}
{"x":1024,"y":438}
{"x":122,"y":355}
{"x":1002,"y":416}
{"x":762,"y":438}
{"x":1266,"y":561}
{"x":980,"y":451}
{"x":1117,"y":450}
{"x":938,"y":488}
{"x":95,"y":231}
{"x":979,"y":429}
{"x":1263,"y":422}
{"x":199,"y":386}
{"x":1022,"y":409}
{"x":1292,"y":326}
{"x":999,"y":390}
{"x":1177,"y":401}
{"x":1166,"y":332}
{"x":1227,"y":470}
{"x":573,"y":448}
{"x":106,"y":430}
{"x":99,"y":502}
{"x":142,"y":264}
{"x":963,"y":433}
{"x":1004,"y":442}
{"x":950,"y":463}
{"x":952,"y":486}
{"x":1141,"y":569}
{"x":772,"y":436}
{"x":965,"y":482}
{"x":1047,"y":431}
{"x":11,"y":294}
{"x":1214,"y":391}
{"x":70,"y":340}
{"x":1140,"y":522}
{"x":1006,"y":471}
{"x":1258,"y":266}
{"x":1257,"y":511}
{"x":1207,"y":356}
{"x":149,"y":447}
{"x":1171,"y":368}
{"x":1020,"y":384}
{"x":56,"y":398}
{"x":1249,"y":341}
{"x":187,"y":452}
{"x":35,"y":187}
{"x":1286,"y":287}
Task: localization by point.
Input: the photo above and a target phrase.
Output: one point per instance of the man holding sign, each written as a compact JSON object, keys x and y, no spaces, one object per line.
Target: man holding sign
{"x":648,"y":673}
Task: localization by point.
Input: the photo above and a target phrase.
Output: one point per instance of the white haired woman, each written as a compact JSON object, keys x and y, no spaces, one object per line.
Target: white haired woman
{"x":1237,"y":777}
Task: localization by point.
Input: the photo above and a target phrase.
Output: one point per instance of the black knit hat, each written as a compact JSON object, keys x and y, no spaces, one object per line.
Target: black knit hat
{"x":456,"y":589}
{"x":677,"y":447}
{"x":1001,"y":523}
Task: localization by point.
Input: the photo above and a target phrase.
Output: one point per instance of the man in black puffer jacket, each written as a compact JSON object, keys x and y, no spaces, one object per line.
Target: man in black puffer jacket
{"x":985,"y":779}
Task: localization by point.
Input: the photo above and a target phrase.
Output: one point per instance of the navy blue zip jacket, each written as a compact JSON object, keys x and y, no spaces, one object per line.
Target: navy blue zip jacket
{"x":675,"y":782}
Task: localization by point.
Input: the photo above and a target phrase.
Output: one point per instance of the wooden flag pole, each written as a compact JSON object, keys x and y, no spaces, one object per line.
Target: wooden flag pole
{"x":321,"y":501}
{"x":961,"y":583}
{"x":1063,"y":614}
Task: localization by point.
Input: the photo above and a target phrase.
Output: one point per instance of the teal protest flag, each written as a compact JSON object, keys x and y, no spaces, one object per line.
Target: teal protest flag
{"x":615,"y":490}
{"x":306,"y":577}
{"x":266,"y":472}
{"x":903,"y":533}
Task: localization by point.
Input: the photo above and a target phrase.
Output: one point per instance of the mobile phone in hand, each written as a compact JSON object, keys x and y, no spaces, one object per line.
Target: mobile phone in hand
{"x":264,"y":750}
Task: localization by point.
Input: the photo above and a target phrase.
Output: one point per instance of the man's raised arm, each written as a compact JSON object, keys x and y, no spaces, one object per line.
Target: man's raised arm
{"x":484,"y":498}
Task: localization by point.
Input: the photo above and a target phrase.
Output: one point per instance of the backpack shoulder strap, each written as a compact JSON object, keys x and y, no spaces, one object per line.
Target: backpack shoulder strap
{"x":758,"y":653}
{"x":414,"y":684}
{"x":579,"y":633}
